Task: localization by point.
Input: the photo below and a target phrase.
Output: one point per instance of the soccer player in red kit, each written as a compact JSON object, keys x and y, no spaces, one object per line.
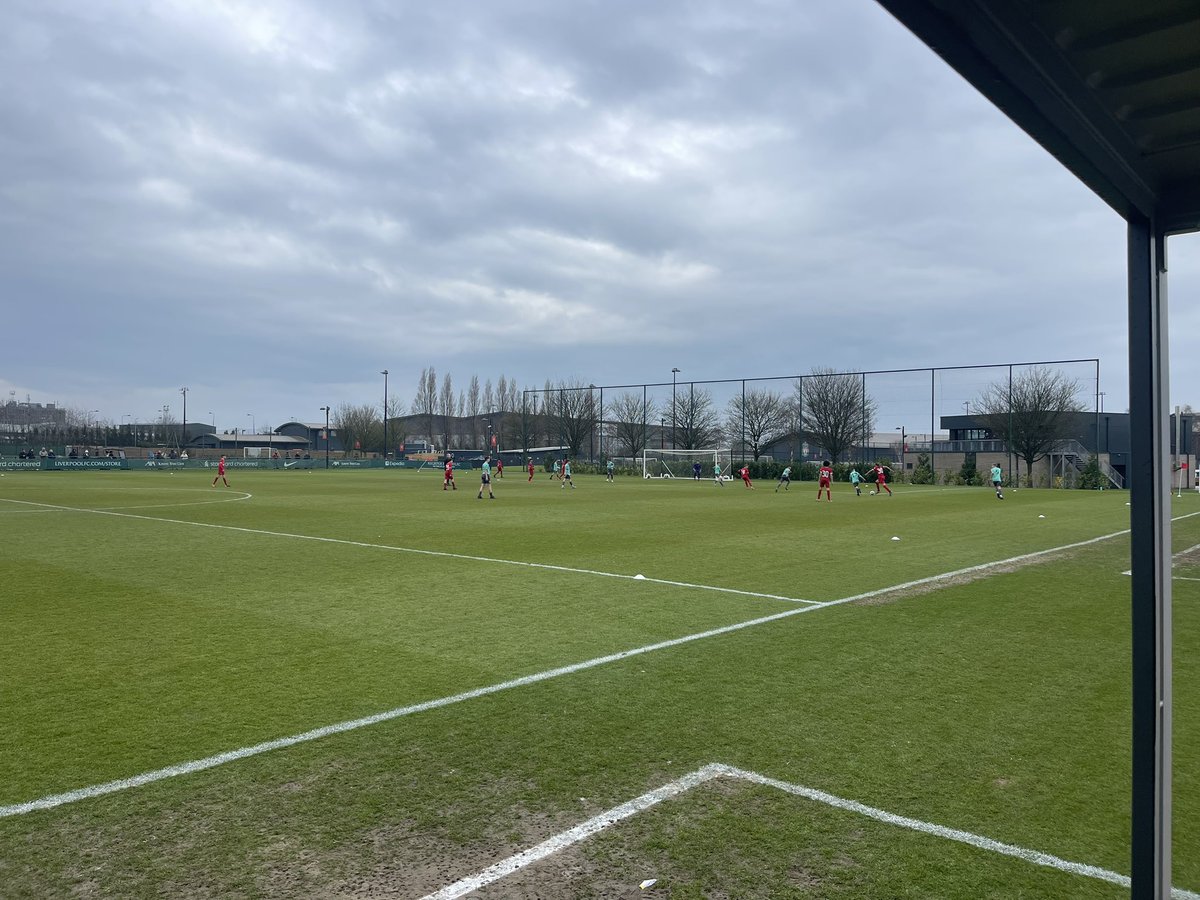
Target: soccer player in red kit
{"x":744,"y":471}
{"x":221,"y":473}
{"x":449,"y":479}
{"x":881,"y":479}
{"x":530,"y":468}
{"x":499,"y":467}
{"x":824,"y":480}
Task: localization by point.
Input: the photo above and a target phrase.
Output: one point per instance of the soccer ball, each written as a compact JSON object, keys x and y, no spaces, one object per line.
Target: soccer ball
{"x":872,"y":493}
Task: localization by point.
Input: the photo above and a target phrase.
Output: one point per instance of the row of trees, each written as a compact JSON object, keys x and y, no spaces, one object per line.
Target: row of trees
{"x":826,"y":408}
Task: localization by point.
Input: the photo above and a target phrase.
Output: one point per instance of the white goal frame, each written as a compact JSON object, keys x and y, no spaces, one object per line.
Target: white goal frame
{"x":678,"y":463}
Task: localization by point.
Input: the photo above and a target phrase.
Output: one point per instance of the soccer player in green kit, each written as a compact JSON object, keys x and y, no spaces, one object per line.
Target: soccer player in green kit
{"x":485,"y":479}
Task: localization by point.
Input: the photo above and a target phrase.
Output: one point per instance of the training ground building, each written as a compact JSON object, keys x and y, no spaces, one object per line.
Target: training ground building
{"x":1105,"y":435}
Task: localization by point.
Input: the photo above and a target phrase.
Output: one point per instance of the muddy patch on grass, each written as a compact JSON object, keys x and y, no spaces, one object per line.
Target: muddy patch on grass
{"x":928,"y":587}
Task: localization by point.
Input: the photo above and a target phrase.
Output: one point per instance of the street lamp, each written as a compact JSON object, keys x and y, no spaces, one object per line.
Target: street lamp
{"x":384,"y":373}
{"x":183,"y":430}
{"x":253,"y":423}
{"x":93,"y":428}
{"x":325,"y":409}
{"x":662,"y":430}
{"x":674,"y":372}
{"x":591,"y":423}
{"x":900,"y":428}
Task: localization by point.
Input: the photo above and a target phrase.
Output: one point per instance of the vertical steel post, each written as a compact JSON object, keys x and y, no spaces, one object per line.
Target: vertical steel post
{"x":1150,"y":552}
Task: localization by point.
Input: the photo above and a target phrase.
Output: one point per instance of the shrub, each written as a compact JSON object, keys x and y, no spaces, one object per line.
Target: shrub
{"x":923,"y":472}
{"x":1091,"y":478}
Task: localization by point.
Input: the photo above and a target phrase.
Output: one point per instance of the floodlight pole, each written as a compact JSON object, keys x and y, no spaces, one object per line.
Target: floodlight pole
{"x":384,"y":373}
{"x":325,"y":409}
{"x":184,"y":390}
{"x":674,"y":372}
{"x":900,"y":428}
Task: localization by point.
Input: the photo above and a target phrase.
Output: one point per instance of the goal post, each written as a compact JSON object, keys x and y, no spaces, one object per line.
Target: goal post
{"x":681,"y":463}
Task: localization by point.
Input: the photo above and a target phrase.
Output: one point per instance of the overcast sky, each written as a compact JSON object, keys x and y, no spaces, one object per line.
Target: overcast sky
{"x":271,"y":202}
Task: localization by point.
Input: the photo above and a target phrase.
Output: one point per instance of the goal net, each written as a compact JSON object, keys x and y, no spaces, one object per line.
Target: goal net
{"x":682,"y":463}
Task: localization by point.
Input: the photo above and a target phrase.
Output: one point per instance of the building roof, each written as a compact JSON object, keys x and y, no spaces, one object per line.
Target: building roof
{"x":1109,"y":87}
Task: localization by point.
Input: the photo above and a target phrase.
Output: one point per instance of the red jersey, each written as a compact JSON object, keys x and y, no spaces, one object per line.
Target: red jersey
{"x":879,"y":476}
{"x":745,"y":473}
{"x":221,"y":466}
{"x":449,"y":470}
{"x":825,"y":473}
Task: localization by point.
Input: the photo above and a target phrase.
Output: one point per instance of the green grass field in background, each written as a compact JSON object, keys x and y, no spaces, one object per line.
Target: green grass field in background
{"x":148,"y":620}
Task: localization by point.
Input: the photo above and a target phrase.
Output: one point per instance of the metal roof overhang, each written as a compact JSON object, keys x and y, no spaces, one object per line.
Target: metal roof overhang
{"x":1110,"y":88}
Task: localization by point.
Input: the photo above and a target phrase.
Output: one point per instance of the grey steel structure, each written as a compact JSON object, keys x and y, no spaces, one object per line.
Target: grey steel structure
{"x":1112,"y":90}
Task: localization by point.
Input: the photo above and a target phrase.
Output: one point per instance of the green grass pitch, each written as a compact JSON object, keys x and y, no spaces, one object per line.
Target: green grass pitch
{"x":149,"y":620}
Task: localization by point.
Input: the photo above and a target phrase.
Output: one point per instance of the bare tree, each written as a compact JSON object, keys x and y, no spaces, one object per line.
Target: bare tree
{"x":502,"y":404}
{"x":358,"y":426}
{"x":551,"y":427}
{"x":527,"y":418}
{"x":833,"y":411}
{"x":1031,"y":414}
{"x":473,"y":408}
{"x":446,"y":409}
{"x":425,"y":404}
{"x":759,"y":418}
{"x":628,"y":420}
{"x":573,"y":413}
{"x":511,"y":401}
{"x":695,"y":422}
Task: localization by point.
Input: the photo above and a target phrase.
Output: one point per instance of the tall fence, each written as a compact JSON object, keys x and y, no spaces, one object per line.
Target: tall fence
{"x":896,"y":414}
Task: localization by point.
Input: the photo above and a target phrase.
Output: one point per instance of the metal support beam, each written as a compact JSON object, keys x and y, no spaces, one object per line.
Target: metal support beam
{"x":1150,"y":550}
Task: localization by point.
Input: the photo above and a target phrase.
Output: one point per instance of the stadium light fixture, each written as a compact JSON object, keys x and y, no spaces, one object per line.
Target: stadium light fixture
{"x":183,"y":427}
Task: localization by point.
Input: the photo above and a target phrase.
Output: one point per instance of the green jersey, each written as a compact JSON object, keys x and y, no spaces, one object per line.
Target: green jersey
{"x":486,"y":469}
{"x":855,"y":478}
{"x":787,"y":473}
{"x":997,"y":474}
{"x":716,"y":470}
{"x":610,"y":465}
{"x":566,"y":470}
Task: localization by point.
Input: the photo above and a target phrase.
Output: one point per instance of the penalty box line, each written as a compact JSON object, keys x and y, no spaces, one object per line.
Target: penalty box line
{"x":209,"y":762}
{"x":443,"y":554}
{"x":617,"y":814}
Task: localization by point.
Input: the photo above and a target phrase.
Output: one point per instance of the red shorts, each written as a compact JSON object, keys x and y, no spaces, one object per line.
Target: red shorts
{"x":824,"y":483}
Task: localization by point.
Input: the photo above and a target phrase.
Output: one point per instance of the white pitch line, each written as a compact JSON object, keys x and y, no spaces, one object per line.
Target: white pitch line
{"x":209,"y":762}
{"x":594,"y":825}
{"x":443,"y":554}
{"x":238,"y":497}
{"x":617,"y":814}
